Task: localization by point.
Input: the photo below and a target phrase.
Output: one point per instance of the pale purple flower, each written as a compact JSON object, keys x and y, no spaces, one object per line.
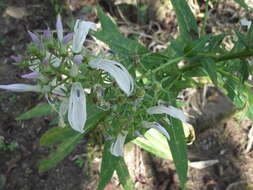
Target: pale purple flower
{"x":156,"y":126}
{"x":78,"y":59}
{"x":117,"y":71}
{"x":170,"y":110}
{"x":59,"y":28}
{"x":21,"y":88}
{"x":35,"y":39}
{"x":17,"y":59}
{"x":81,"y":30}
{"x":67,"y":38}
{"x":117,"y":147}
{"x":47,"y":33}
{"x":32,"y":75}
{"x":77,"y":107}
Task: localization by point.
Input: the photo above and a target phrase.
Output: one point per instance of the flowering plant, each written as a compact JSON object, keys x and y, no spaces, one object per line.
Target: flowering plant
{"x":130,"y":91}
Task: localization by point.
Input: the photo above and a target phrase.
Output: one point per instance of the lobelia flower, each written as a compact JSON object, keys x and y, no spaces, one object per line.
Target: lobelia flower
{"x":245,"y":22}
{"x":170,"y":110}
{"x":117,"y":147}
{"x":47,"y":34}
{"x":59,"y":28}
{"x":156,"y":126}
{"x":77,"y":107}
{"x":35,"y":39}
{"x":81,"y":30}
{"x":21,"y":88}
{"x":67,"y":38}
{"x":117,"y":71}
{"x":17,"y":59}
{"x":77,"y":60}
{"x":32,"y":75}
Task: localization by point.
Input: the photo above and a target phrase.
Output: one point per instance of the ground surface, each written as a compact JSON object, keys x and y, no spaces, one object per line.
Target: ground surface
{"x":225,"y":141}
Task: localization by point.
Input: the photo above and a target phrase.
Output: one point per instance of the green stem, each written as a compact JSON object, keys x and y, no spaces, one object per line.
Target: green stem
{"x":203,"y":29}
{"x":177,"y":59}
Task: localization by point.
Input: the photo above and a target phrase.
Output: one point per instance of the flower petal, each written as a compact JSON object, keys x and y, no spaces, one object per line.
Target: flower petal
{"x":156,"y":126}
{"x":77,"y":107}
{"x":245,"y":22}
{"x":59,"y":28}
{"x":35,"y":39}
{"x":21,"y":87}
{"x":117,"y":71}
{"x":32,"y":75}
{"x":78,"y":59}
{"x":47,"y":34}
{"x":81,"y":30}
{"x":170,"y":110}
{"x":117,"y":148}
{"x":17,"y":59}
{"x":67,"y":38}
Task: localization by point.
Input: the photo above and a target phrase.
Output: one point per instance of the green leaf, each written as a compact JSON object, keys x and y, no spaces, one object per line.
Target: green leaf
{"x":155,"y":143}
{"x":56,"y":135}
{"x":187,"y":24}
{"x":117,"y":42}
{"x":38,"y":111}
{"x":123,"y":175}
{"x":242,"y":3}
{"x":210,"y":68}
{"x":69,"y":139}
{"x":178,"y":149}
{"x":108,"y":166}
{"x":61,"y":152}
{"x":244,"y":70}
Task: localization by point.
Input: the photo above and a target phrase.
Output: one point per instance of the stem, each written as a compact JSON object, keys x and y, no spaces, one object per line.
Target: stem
{"x":203,"y":29}
{"x":177,"y":59}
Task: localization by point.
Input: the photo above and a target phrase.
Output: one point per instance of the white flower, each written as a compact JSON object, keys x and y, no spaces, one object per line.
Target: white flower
{"x":21,"y":87}
{"x":59,"y":28}
{"x":156,"y":126}
{"x":117,"y":148}
{"x":81,"y":30}
{"x":170,"y":110}
{"x":117,"y":71}
{"x":245,"y":22}
{"x":77,"y":107}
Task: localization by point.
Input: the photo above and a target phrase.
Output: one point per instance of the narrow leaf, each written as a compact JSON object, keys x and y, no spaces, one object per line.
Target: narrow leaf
{"x":123,"y":175}
{"x":210,"y":68}
{"x":38,"y":111}
{"x":61,"y":152}
{"x":108,"y":166}
{"x":178,"y":149}
{"x":187,"y":24}
{"x":56,"y":135}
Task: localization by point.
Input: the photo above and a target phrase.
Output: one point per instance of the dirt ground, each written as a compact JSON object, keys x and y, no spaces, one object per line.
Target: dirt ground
{"x":224,"y":140}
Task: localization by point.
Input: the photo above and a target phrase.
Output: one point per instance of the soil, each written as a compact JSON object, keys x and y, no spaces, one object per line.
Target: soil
{"x":225,"y":139}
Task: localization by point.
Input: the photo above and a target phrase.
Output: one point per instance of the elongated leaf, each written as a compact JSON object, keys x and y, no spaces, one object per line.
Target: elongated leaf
{"x":123,"y":175}
{"x":108,"y":166}
{"x":187,"y":24}
{"x":178,"y":149}
{"x":242,"y":3}
{"x":38,"y":111}
{"x":56,"y":135}
{"x":69,"y":139}
{"x":61,"y":152}
{"x":117,"y":42}
{"x":210,"y":68}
